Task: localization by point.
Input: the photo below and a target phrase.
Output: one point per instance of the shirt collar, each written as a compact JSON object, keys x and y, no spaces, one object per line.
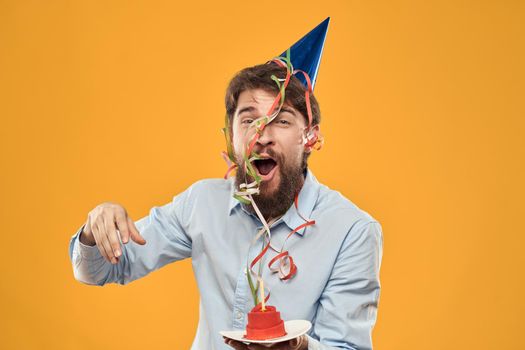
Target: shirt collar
{"x":307,"y":198}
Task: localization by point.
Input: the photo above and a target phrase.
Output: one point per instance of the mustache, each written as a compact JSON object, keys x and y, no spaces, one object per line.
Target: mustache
{"x":277,"y":157}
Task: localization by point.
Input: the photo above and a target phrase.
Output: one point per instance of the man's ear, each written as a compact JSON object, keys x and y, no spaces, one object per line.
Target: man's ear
{"x":311,"y":138}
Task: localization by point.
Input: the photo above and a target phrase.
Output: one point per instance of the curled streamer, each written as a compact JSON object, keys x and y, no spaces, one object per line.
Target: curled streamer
{"x":282,"y":263}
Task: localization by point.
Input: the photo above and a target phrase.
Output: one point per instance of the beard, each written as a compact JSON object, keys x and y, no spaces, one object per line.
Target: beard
{"x":291,"y":180}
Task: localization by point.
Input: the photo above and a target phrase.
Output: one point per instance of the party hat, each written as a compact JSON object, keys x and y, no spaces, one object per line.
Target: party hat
{"x":306,"y":53}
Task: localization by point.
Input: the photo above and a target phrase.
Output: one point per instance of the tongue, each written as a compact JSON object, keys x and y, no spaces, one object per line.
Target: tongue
{"x":265,"y":166}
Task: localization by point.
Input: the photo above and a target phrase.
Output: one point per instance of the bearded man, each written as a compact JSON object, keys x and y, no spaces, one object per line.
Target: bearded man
{"x":336,"y":286}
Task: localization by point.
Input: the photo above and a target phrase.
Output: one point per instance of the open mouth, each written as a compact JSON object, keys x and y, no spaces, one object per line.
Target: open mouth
{"x":264,"y":166}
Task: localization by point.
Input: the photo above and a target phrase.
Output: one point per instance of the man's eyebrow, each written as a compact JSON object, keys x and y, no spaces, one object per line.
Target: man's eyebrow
{"x":289,"y":110}
{"x":251,"y":109}
{"x":246,"y":109}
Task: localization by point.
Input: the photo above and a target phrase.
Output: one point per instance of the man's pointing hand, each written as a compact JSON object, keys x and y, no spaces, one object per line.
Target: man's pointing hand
{"x":103,"y":226}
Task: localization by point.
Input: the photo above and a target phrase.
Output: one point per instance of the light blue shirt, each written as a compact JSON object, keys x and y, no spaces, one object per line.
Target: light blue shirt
{"x":338,"y":259}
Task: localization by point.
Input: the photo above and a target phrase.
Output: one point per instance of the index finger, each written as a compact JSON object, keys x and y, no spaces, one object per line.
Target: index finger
{"x":135,"y":234}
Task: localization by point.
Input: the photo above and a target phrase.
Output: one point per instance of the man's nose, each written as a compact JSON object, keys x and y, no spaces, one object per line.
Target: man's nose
{"x":266,"y":137}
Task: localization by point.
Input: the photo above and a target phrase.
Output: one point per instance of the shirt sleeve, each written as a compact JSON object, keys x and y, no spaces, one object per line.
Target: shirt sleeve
{"x":165,"y":232}
{"x":347,"y":308}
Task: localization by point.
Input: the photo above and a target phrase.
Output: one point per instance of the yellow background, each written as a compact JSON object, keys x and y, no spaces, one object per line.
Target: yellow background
{"x":422,"y":105}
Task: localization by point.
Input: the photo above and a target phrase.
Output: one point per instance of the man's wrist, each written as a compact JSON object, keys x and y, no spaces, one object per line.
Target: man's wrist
{"x":86,"y":239}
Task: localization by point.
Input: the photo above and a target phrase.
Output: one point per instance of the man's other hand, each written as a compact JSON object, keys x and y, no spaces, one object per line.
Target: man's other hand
{"x":299,"y":343}
{"x":101,"y":230}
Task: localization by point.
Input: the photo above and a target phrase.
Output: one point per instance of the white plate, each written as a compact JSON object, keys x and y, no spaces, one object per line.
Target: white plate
{"x":294,"y":328}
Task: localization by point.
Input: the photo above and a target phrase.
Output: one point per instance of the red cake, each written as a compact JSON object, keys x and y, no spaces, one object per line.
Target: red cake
{"x":265,"y":324}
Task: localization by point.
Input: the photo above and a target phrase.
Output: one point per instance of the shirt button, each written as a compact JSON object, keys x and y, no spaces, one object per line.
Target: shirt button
{"x":238,"y":315}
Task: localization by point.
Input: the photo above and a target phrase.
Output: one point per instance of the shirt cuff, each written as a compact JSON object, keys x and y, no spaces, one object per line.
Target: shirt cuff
{"x":86,"y":251}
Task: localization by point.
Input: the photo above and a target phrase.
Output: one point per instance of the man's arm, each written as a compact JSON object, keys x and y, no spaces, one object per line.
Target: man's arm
{"x":164,"y":230}
{"x":347,"y":309}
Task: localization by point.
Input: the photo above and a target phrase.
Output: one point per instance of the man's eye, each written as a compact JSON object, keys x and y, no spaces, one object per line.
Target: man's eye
{"x":247,"y":121}
{"x":284,"y":122}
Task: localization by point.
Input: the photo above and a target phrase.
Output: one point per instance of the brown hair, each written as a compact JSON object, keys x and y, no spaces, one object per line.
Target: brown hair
{"x":259,"y":77}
